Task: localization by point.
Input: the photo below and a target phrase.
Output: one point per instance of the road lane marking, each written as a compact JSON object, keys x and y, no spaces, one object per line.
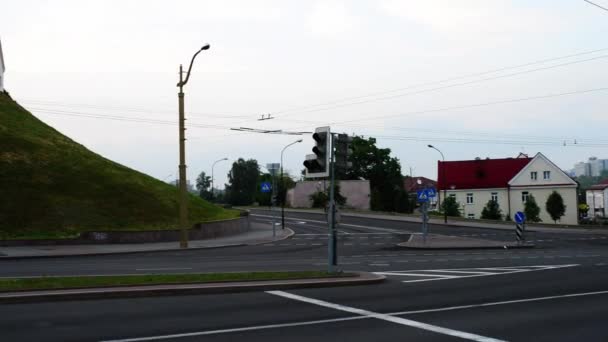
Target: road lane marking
{"x":385,"y":317}
{"x":515,"y":301}
{"x":164,"y":269}
{"x":438,"y":274}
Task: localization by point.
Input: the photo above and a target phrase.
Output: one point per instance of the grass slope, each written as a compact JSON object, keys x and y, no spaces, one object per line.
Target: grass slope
{"x":51,"y":186}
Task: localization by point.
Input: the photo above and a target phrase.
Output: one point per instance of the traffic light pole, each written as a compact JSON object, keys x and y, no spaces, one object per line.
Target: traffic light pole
{"x":332,"y":241}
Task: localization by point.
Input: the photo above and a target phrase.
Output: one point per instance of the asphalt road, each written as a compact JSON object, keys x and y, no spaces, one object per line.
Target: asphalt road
{"x":555,"y":292}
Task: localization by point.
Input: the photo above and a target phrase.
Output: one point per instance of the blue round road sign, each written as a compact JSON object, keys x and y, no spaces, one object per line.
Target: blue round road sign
{"x":520,"y":217}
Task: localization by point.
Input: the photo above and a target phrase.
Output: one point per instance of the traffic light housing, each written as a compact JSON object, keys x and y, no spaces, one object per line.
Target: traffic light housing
{"x":317,"y":164}
{"x":344,"y":149}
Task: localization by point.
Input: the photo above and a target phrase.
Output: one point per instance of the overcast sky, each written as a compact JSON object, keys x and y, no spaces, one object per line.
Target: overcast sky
{"x":379,"y":67}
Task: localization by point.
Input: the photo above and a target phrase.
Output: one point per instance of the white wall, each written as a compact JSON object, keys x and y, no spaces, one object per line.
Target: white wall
{"x":357,"y":193}
{"x":540,"y":195}
{"x":597,"y":201}
{"x":480,"y":199}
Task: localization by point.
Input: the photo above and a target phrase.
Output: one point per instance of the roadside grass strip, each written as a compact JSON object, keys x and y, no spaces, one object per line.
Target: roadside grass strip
{"x":76,"y":282}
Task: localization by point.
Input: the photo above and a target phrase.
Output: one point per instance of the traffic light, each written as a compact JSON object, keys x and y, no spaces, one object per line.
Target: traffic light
{"x":344,"y":149}
{"x":317,"y":164}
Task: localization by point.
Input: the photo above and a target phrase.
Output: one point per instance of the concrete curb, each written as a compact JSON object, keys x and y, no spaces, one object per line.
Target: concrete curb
{"x":400,"y":245}
{"x":288,"y":236}
{"x":362,"y":278}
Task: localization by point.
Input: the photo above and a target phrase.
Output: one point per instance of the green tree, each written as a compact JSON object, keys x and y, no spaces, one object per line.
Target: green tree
{"x":263,"y":198}
{"x":320,"y":199}
{"x":383,"y":172}
{"x":491,"y":211}
{"x":284,"y":185}
{"x":243,"y":181}
{"x":203,"y":185}
{"x":532,"y":210}
{"x":555,"y":206}
{"x":451,"y":207}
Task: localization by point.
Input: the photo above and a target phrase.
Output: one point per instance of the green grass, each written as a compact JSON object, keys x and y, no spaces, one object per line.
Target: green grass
{"x":50,"y":283}
{"x":53,"y":186}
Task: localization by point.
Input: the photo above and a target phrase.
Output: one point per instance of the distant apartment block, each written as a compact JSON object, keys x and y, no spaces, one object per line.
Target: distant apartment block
{"x":593,"y":167}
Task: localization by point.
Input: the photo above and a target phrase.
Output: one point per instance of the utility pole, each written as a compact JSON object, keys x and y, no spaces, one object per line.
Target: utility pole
{"x":332,"y":243}
{"x":183,"y":196}
{"x":445,"y":212}
{"x":212,"y":178}
{"x":282,"y":183}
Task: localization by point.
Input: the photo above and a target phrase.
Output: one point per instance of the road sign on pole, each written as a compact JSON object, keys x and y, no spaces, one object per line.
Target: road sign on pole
{"x":422,"y":196}
{"x":431,"y":192}
{"x":266,"y":187}
{"x":520,"y":226}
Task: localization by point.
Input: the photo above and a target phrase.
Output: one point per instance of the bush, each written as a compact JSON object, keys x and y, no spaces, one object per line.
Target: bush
{"x":532,"y":210}
{"x":451,"y":207}
{"x":491,"y":211}
{"x":555,"y":206}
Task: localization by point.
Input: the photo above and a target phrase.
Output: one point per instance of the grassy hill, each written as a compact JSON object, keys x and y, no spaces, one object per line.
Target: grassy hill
{"x":51,"y":186}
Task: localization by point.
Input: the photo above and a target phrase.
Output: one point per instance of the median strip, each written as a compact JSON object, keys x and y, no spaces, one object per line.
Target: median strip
{"x":35,"y":289}
{"x":79,"y":282}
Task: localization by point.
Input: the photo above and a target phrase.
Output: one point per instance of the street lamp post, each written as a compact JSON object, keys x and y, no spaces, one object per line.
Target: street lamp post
{"x":445,"y":212}
{"x":212,"y":179}
{"x":281,"y":184}
{"x":183,"y":205}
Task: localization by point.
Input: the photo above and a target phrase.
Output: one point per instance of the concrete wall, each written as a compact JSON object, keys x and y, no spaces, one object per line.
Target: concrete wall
{"x":200,"y":231}
{"x":598,"y":202}
{"x":357,"y":193}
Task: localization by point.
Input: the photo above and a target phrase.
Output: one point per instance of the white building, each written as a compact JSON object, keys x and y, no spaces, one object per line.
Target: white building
{"x":593,"y":167}
{"x":597,"y":199}
{"x":510,"y":182}
{"x":2,"y":68}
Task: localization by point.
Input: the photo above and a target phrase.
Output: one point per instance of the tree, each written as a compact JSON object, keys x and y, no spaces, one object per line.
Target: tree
{"x":203,"y":184}
{"x":531,"y":210}
{"x":555,"y":206}
{"x":491,"y":211}
{"x":320,"y":199}
{"x":243,"y":182}
{"x":451,"y":207}
{"x":383,"y":172}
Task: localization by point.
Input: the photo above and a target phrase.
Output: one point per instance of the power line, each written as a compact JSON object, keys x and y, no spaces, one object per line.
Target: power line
{"x":446,"y":86}
{"x":444,"y":80}
{"x":594,"y":4}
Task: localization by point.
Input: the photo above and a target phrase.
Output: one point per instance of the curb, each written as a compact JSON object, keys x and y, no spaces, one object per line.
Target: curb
{"x":363,"y":278}
{"x":118,"y":253}
{"x":288,"y":236}
{"x":465,"y":248}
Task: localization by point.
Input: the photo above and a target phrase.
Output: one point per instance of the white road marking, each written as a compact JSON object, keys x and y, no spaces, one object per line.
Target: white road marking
{"x":164,"y":269}
{"x":351,"y":318}
{"x":384,"y":317}
{"x":438,"y":274}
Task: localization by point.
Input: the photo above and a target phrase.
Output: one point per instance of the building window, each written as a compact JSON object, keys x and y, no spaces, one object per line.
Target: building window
{"x":470,"y":216}
{"x":494,"y":196}
{"x":524,"y":196}
{"x":469,"y":198}
{"x":546,"y":174}
{"x":452,"y":196}
{"x":533,"y":175}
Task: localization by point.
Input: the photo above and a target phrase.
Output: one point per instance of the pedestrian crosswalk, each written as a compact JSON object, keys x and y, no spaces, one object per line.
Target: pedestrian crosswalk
{"x":415,"y":276}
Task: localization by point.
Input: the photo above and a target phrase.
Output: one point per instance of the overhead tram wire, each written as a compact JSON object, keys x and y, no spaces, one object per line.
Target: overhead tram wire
{"x":442,"y":87}
{"x":596,"y":5}
{"x":477,"y":74}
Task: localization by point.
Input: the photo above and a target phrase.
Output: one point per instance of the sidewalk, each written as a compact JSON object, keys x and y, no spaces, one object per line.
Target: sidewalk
{"x":455,"y":222}
{"x":259,"y":234}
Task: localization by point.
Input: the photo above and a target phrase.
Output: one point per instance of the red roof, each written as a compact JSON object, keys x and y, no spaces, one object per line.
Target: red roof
{"x":600,"y":186}
{"x":479,"y":174}
{"x":411,"y":183}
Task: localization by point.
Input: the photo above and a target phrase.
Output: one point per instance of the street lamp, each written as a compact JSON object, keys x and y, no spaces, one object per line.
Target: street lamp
{"x":212,"y":179}
{"x":183,"y":206}
{"x":281,"y":184}
{"x":445,"y":212}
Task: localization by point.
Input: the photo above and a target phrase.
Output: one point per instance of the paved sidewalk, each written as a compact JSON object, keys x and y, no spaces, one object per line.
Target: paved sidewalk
{"x":259,"y":234}
{"x":458,"y":223}
{"x":437,"y":241}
